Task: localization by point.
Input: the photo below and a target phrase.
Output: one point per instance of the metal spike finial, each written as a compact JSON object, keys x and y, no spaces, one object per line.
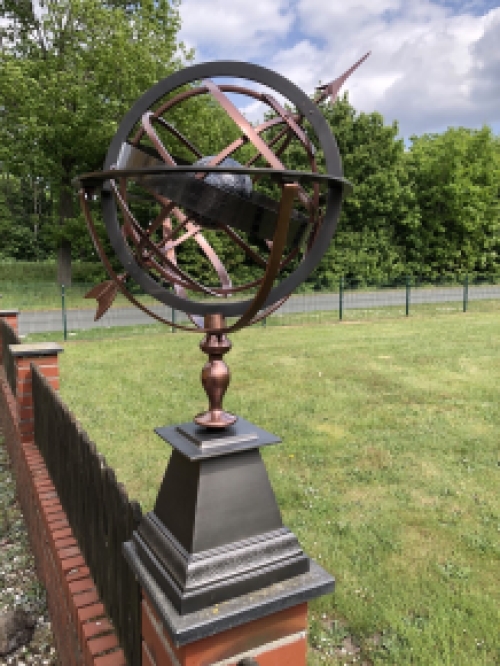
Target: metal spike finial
{"x":332,"y":89}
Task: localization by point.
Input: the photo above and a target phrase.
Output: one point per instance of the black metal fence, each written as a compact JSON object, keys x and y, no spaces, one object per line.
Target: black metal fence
{"x":99,"y":511}
{"x":8,"y":337}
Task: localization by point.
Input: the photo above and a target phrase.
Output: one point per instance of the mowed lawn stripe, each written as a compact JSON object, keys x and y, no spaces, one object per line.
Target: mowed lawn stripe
{"x":389,"y":470}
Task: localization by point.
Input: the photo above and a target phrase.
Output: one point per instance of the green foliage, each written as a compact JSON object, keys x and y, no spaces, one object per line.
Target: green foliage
{"x":24,"y":212}
{"x":28,"y":272}
{"x":367,"y":256}
{"x":433,"y":211}
{"x":387,"y":473}
{"x":456,"y":178}
{"x":367,"y":246}
{"x":373,"y":159}
{"x":17,"y":238}
{"x":68,"y":73}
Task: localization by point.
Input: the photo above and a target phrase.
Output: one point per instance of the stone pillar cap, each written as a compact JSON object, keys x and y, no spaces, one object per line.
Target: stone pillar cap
{"x":36,"y":349}
{"x":6,"y":313}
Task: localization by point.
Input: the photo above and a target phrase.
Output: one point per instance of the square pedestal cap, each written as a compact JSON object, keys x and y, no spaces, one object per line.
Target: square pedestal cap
{"x":198,"y":443}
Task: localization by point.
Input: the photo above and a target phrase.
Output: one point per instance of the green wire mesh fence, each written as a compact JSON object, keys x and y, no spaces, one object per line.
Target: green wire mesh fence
{"x":47,"y":308}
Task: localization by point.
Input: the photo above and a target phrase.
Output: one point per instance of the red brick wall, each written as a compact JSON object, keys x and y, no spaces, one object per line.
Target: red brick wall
{"x":275,"y":640}
{"x":83,"y":634}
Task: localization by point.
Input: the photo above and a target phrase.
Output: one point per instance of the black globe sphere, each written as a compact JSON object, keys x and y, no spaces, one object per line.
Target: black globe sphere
{"x":238,"y":183}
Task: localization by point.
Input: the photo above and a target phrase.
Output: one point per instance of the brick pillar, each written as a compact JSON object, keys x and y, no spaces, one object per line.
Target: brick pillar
{"x":30,"y":482}
{"x":276,"y":639}
{"x":10,"y":316}
{"x":45,"y":356}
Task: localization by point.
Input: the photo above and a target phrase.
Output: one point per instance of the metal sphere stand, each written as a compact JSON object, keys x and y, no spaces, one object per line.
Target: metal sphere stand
{"x":223,"y":580}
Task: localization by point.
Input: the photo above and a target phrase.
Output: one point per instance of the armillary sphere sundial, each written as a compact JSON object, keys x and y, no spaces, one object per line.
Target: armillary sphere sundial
{"x":216,"y":534}
{"x":226,"y":191}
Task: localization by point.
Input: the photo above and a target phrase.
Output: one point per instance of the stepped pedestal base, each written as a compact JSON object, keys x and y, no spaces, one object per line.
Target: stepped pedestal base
{"x":214,"y":554}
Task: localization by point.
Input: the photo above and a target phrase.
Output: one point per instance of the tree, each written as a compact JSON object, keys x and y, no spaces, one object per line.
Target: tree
{"x":367,"y":245}
{"x":68,"y":73}
{"x":456,"y":177}
{"x":24,"y":209}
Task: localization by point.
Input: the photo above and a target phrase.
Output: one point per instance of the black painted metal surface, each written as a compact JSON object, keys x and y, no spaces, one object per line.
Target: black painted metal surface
{"x":212,"y":620}
{"x":210,"y":503}
{"x":254,"y":213}
{"x":216,"y":530}
{"x":198,"y":443}
{"x":9,"y":337}
{"x":98,"y":509}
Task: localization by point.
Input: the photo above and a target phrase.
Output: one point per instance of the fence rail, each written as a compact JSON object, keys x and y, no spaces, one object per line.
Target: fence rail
{"x":8,"y":337}
{"x":52,"y":308}
{"x":98,"y":509}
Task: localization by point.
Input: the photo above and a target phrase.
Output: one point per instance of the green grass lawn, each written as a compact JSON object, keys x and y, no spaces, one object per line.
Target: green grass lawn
{"x":376,"y":311}
{"x":389,"y":469}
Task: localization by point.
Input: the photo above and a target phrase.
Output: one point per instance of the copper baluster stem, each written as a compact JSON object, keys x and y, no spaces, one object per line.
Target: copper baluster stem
{"x":215,"y":375}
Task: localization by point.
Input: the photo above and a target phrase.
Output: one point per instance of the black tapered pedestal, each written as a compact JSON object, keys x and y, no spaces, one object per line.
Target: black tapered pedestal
{"x":216,"y":531}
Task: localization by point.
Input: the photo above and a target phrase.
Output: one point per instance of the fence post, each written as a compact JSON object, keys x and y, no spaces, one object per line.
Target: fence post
{"x":407,"y":295}
{"x":10,"y":317}
{"x":341,"y":297}
{"x":45,"y":356}
{"x":64,"y":320}
{"x":173,"y":320}
{"x":466,"y":292}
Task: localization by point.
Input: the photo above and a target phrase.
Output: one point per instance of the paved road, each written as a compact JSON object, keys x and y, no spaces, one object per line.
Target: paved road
{"x":38,"y":322}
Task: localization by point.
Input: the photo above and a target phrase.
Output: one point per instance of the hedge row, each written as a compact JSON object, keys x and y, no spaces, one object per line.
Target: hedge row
{"x":46,"y":271}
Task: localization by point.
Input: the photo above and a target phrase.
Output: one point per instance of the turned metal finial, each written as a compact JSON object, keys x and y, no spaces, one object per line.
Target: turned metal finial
{"x":215,"y":375}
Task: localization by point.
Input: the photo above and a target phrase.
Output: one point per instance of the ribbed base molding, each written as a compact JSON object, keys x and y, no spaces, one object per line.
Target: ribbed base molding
{"x":194,"y":581}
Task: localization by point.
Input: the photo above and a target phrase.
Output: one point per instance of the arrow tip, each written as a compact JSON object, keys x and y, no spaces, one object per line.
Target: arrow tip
{"x":332,"y":89}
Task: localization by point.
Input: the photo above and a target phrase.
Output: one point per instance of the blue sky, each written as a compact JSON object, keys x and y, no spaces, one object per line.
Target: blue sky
{"x":434,"y":64}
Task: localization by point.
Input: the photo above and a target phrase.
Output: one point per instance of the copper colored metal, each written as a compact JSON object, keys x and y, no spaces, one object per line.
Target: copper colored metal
{"x":244,"y":125}
{"x":290,"y":121}
{"x":104,"y":293}
{"x":151,"y":252}
{"x":155,"y":139}
{"x":332,"y":89}
{"x":248,"y":130}
{"x":274,"y":261}
{"x":113,"y":275}
{"x":215,"y":375}
{"x":195,"y":231}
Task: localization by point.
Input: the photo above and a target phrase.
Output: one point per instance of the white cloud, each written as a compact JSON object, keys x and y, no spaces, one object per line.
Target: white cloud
{"x":234,"y":29}
{"x":432,"y":65}
{"x":300,"y":64}
{"x":486,"y":69}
